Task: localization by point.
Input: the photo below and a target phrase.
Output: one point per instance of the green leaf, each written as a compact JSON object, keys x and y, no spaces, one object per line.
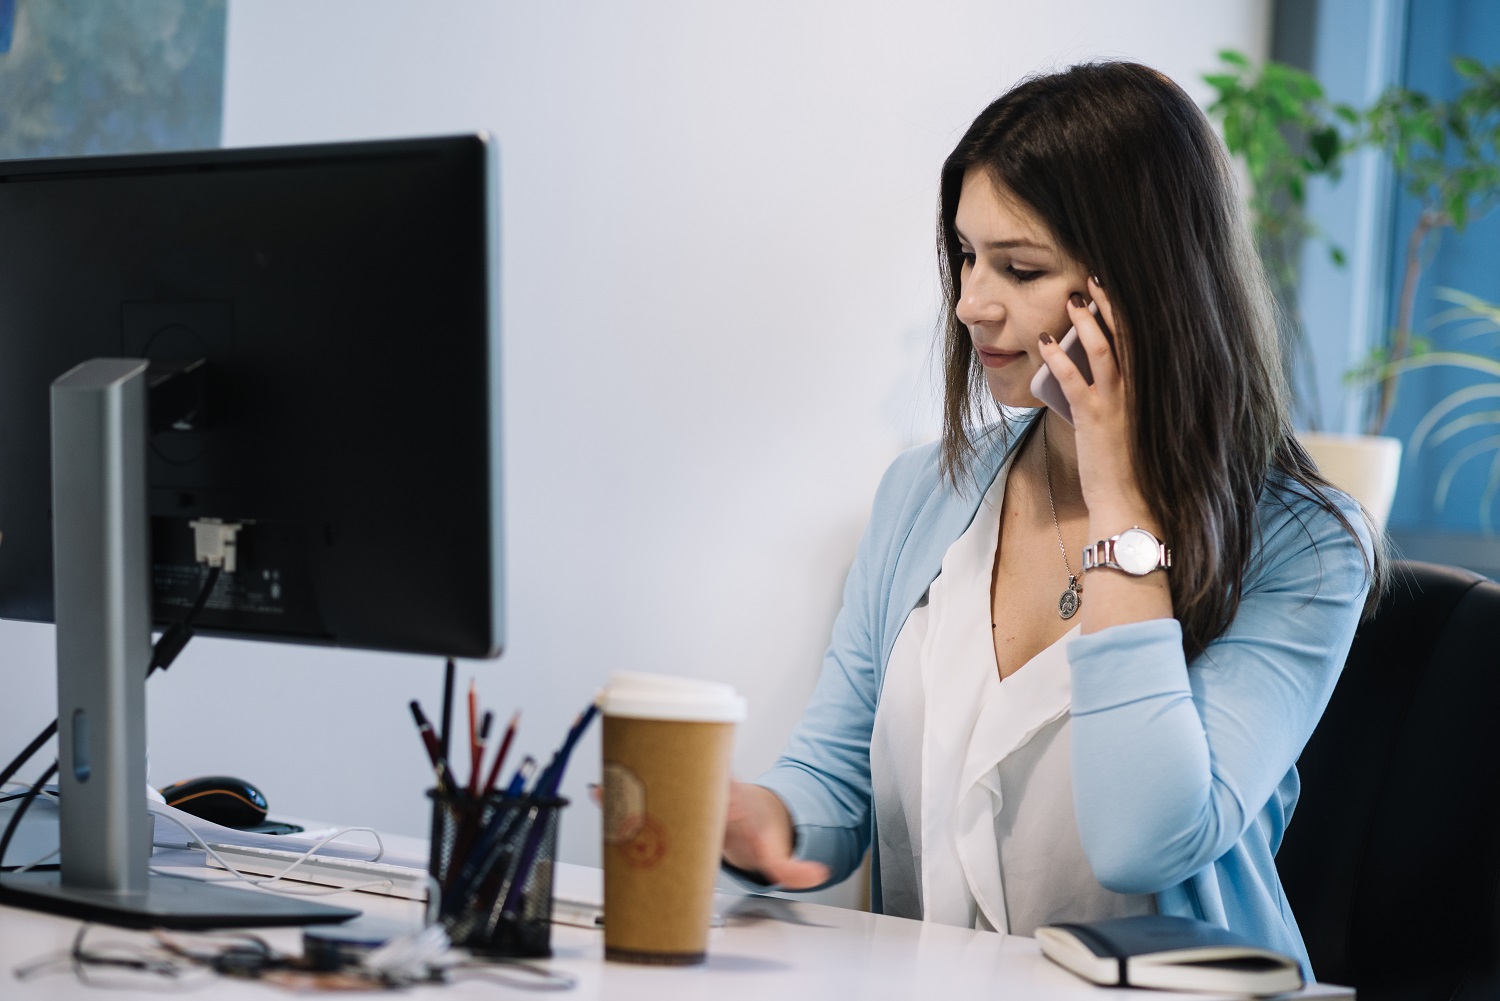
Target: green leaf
{"x":1337,"y":254}
{"x":1325,"y":143}
{"x":1467,"y":67}
{"x":1347,"y":113}
{"x":1222,"y":82}
{"x":1458,"y":124}
{"x":1458,"y":210}
{"x":1234,"y":58}
{"x":1278,"y":73}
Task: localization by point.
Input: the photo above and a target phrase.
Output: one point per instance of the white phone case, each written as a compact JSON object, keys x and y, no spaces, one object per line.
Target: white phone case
{"x":1044,"y":385}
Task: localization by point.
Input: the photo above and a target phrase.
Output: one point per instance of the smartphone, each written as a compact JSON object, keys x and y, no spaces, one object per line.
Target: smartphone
{"x":1044,"y":385}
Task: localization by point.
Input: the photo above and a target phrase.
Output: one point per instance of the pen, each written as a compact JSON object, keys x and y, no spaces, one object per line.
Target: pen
{"x":510,"y":735}
{"x":434,"y":748}
{"x":484,"y":735}
{"x":522,"y":776}
{"x":448,"y":671}
{"x":552,"y":778}
{"x":546,"y":787}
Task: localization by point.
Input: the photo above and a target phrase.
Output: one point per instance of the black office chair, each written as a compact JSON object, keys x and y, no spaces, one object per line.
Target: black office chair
{"x":1391,"y":861}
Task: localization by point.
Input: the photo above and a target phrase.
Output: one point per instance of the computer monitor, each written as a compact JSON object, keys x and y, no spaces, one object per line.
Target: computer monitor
{"x":320,"y":324}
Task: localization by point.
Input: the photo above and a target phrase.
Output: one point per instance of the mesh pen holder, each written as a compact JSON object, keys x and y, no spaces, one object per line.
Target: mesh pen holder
{"x":493,"y":858}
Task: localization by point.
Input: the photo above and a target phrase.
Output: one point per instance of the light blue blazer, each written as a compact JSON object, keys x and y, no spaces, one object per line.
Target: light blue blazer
{"x":1183,"y":775}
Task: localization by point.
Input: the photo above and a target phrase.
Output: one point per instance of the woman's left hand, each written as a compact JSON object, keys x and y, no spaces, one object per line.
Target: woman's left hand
{"x":1101,"y":417}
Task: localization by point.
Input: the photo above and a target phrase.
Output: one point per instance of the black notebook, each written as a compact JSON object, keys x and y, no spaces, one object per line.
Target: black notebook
{"x":1158,"y":950}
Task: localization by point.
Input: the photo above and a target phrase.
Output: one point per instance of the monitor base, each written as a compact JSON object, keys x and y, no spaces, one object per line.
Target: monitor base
{"x":176,"y":902}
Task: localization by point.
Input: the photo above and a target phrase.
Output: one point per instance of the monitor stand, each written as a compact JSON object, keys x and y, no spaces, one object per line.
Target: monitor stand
{"x":102,"y":589}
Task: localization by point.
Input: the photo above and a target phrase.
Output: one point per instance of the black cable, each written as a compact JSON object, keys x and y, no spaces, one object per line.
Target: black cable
{"x":26,"y":755}
{"x":163,"y":653}
{"x":15,"y":818}
{"x":178,"y":633}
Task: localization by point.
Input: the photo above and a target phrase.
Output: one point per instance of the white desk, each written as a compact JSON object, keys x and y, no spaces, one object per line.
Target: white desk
{"x":769,"y":950}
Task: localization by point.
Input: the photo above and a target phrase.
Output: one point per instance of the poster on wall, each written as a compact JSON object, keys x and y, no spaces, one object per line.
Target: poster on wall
{"x":110,"y":76}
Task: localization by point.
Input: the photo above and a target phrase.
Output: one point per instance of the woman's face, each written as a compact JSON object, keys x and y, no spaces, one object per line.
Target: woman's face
{"x":1015,"y":286}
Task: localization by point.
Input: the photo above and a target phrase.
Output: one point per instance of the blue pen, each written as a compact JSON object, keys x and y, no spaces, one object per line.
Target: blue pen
{"x":522,"y":776}
{"x":546,"y":787}
{"x":551,"y":779}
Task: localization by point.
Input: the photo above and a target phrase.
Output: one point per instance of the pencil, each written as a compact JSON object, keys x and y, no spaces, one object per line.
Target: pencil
{"x":510,"y":735}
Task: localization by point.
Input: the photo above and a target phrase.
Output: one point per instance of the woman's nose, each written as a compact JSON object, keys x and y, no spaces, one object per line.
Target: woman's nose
{"x":977,"y":303}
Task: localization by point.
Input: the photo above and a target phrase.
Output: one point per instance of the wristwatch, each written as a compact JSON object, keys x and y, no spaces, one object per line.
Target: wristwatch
{"x":1134,"y":551}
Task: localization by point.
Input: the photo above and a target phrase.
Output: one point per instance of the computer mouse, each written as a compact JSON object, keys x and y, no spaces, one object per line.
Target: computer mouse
{"x":219,"y":799}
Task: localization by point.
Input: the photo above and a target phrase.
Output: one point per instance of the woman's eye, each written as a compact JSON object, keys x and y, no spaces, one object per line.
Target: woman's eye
{"x":1022,"y":276}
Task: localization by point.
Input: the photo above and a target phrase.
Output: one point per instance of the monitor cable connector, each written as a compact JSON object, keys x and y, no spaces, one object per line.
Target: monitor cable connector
{"x":214,"y":542}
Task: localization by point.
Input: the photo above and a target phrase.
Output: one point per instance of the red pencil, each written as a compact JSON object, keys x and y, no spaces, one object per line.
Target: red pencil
{"x":476,"y":745}
{"x":510,"y":735}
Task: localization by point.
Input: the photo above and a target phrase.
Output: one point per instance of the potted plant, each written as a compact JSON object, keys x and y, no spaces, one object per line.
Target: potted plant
{"x":1445,"y":155}
{"x":1279,"y":123}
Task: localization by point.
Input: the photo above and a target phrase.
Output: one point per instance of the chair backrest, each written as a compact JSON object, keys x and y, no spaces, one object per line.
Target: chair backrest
{"x":1391,"y":861}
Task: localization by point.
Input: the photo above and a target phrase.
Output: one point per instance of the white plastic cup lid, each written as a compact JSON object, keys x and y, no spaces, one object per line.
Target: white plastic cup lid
{"x":660,"y":696}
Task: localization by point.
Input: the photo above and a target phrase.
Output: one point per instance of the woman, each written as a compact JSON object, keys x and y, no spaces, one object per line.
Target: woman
{"x":1076,"y":662}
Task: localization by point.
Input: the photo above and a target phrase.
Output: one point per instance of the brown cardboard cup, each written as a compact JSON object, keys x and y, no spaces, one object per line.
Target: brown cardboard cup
{"x":667,"y":748}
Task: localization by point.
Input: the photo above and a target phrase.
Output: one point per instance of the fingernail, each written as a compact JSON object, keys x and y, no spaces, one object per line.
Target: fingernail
{"x":1077,"y":300}
{"x":1046,"y":338}
{"x":1096,"y":281}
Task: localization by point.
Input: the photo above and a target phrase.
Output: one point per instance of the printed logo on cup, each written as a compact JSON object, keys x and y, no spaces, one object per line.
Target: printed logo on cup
{"x":649,"y":846}
{"x":624,"y":803}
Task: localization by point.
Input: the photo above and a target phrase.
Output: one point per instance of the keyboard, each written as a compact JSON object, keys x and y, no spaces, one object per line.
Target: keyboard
{"x":327,"y":870}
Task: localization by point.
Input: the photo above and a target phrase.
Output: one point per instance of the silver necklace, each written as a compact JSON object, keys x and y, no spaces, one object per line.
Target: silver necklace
{"x":1072,"y":596}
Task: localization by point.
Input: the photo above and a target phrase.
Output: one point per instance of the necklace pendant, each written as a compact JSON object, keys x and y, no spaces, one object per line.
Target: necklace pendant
{"x":1069,"y":600}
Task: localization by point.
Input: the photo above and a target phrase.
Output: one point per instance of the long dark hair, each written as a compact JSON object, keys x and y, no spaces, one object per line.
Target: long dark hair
{"x":1128,"y":175}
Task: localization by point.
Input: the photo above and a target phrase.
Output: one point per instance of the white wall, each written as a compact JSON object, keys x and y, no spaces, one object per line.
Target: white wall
{"x":719,"y":302}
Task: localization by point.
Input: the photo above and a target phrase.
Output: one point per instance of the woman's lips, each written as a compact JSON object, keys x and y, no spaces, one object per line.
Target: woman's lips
{"x":990,"y":358}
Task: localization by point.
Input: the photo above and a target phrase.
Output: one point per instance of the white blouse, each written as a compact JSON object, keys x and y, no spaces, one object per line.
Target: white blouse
{"x":972,"y":777}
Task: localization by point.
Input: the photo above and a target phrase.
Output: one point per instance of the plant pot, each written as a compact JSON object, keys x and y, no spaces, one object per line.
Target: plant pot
{"x":1364,"y":466}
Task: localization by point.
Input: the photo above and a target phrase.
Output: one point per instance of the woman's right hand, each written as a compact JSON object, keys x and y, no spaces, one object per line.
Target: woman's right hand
{"x":758,"y":838}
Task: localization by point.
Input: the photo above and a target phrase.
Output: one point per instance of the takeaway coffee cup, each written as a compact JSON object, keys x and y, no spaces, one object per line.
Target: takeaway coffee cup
{"x":667,"y":747}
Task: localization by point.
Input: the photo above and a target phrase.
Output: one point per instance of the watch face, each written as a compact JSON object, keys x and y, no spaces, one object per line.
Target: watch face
{"x":1137,"y":551}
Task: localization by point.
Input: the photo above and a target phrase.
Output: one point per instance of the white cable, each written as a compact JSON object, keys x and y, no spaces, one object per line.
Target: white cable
{"x":41,"y":861}
{"x":265,"y":882}
{"x":19,"y":789}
